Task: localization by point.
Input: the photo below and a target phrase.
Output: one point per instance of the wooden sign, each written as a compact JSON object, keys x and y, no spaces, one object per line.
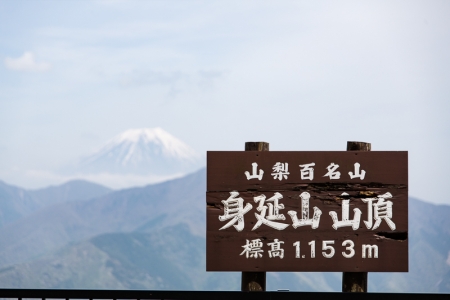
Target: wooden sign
{"x":337,"y":211}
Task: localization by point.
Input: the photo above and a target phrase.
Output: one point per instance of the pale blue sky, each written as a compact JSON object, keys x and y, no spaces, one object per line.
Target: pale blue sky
{"x":302,"y":75}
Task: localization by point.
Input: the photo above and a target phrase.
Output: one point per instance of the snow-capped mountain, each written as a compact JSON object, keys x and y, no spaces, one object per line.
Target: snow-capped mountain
{"x":146,"y":151}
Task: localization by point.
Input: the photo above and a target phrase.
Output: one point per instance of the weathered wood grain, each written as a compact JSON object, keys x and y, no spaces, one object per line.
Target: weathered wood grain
{"x":226,"y":170}
{"x":254,"y":281}
{"x":385,"y":172}
{"x":225,"y":246}
{"x":355,"y":282}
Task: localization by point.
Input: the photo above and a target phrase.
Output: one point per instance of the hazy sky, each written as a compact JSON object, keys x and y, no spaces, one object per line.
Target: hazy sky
{"x":301,"y":75}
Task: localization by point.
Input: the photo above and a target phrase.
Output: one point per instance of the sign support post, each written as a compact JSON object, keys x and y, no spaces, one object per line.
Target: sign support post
{"x":254,"y":281}
{"x":355,"y":282}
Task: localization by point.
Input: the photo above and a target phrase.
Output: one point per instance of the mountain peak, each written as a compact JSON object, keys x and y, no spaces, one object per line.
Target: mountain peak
{"x":161,"y":142}
{"x":143,"y":151}
{"x":134,"y":135}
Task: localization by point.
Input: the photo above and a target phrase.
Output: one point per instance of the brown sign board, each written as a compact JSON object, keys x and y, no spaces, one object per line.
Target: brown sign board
{"x":337,"y":211}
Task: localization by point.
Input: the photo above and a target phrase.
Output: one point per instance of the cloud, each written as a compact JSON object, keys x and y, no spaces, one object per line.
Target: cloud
{"x":26,"y":62}
{"x":151,"y":78}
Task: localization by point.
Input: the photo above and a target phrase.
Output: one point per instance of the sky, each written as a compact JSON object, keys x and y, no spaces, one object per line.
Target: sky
{"x":301,"y":75}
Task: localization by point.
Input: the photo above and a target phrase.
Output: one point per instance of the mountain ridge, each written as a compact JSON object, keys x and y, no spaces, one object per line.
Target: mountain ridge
{"x":173,"y":213}
{"x":123,"y":210}
{"x":16,"y":202}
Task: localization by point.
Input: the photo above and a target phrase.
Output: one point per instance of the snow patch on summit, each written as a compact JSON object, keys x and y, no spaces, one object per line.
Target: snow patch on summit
{"x":135,"y":141}
{"x":143,"y":151}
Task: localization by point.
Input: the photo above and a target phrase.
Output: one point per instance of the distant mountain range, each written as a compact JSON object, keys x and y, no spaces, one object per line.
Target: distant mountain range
{"x":82,"y":235}
{"x":16,"y":203}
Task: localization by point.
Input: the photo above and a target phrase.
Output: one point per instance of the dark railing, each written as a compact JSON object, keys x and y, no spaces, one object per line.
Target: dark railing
{"x":207,"y":295}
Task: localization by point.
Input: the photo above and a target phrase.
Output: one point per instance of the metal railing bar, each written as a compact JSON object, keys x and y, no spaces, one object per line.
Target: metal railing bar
{"x":46,"y":294}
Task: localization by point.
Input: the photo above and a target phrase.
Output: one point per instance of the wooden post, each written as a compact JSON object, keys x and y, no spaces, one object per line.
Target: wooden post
{"x":254,"y":281}
{"x":355,"y":282}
